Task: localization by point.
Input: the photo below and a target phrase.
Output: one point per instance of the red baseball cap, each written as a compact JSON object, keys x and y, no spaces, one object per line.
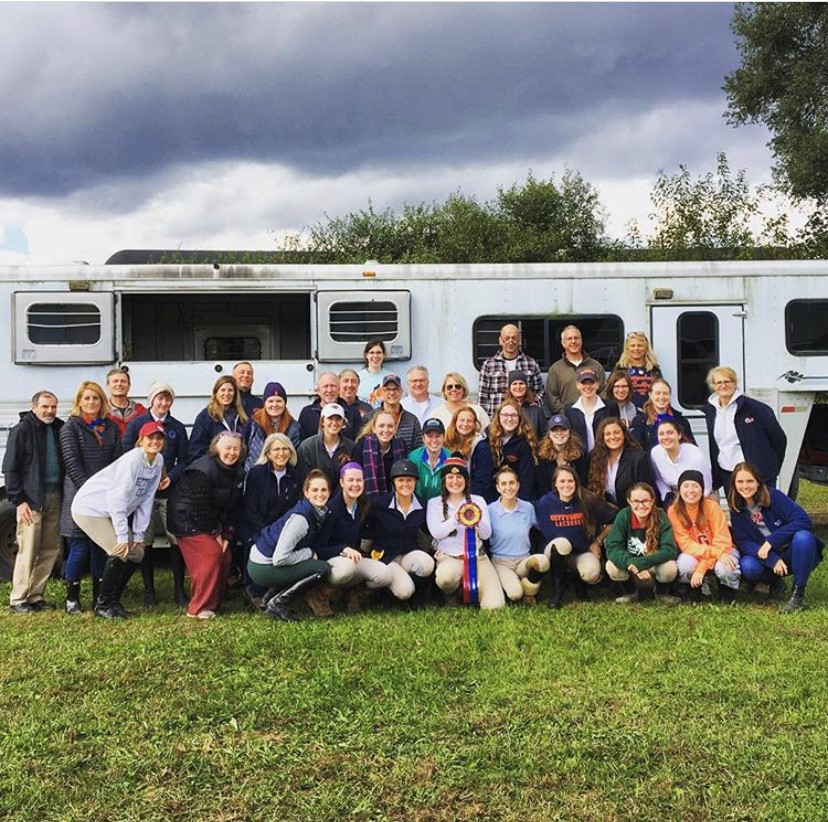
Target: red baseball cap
{"x":149,"y":428}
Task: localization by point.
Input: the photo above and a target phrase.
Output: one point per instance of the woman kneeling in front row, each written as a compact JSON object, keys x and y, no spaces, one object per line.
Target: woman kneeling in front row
{"x":773,"y":534}
{"x":519,"y":570}
{"x":445,"y":523}
{"x":574,"y":523}
{"x":396,"y":526}
{"x":641,"y":550}
{"x":284,"y":556}
{"x":702,"y":536}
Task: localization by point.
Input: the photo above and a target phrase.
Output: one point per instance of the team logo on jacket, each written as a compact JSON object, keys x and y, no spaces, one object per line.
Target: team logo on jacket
{"x":748,"y":420}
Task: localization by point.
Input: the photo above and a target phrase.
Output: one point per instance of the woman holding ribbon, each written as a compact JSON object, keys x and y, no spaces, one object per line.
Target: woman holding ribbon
{"x":459,"y":522}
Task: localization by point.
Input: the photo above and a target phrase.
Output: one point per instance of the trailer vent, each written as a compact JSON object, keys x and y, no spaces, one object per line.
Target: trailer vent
{"x":363,"y":321}
{"x":347,"y":320}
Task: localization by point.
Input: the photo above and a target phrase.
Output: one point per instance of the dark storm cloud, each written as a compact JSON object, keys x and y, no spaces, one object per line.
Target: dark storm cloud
{"x":96,"y":93}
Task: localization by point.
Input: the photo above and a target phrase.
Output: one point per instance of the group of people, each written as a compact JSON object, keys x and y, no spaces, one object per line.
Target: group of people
{"x":371,"y":489}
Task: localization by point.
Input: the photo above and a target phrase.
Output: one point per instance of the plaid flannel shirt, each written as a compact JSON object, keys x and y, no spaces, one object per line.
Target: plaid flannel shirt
{"x":494,"y":380}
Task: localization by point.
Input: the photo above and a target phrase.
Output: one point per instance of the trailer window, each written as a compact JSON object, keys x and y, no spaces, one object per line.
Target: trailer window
{"x":360,"y":321}
{"x":806,"y":326}
{"x":698,"y":352}
{"x":603,"y":336}
{"x":63,"y":324}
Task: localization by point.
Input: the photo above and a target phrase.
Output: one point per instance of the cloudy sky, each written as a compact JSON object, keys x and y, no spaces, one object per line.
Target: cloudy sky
{"x":227,"y":125}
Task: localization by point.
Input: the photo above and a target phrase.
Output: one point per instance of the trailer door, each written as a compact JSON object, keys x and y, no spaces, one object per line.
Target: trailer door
{"x":689,"y":340}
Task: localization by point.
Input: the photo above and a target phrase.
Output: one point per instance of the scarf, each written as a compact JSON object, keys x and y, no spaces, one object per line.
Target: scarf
{"x":373,"y":463}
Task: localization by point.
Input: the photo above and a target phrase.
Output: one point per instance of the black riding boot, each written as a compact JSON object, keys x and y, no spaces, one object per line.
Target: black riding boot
{"x":558,"y":572}
{"x":177,"y":565}
{"x":148,"y":576}
{"x":279,"y":606}
{"x":112,"y":575}
{"x":96,"y":587}
{"x":128,"y":570}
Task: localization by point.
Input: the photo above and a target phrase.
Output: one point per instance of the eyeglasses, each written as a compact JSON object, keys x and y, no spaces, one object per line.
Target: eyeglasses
{"x":508,"y":415}
{"x":638,"y":503}
{"x":723,"y":382}
{"x":454,"y":388}
{"x":637,"y":334}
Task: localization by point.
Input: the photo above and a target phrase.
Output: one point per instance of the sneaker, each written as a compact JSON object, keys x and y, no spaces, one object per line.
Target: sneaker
{"x":627,"y":599}
{"x":206,"y":615}
{"x":73,"y":607}
{"x":667,"y":599}
{"x":42,"y":605}
{"x":22,"y":608}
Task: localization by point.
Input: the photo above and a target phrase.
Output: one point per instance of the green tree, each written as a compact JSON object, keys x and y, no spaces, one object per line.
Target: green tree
{"x":783,"y":83}
{"x":535,"y":221}
{"x":545,"y":222}
{"x":710,"y":218}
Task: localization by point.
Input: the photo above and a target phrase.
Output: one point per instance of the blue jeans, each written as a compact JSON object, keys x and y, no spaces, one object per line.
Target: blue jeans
{"x":83,"y":551}
{"x":801,"y":557}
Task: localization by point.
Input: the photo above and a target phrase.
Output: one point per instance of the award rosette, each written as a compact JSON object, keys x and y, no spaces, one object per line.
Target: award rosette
{"x":469,"y":515}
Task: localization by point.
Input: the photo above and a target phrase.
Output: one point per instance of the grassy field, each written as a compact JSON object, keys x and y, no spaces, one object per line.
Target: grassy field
{"x":596,"y":712}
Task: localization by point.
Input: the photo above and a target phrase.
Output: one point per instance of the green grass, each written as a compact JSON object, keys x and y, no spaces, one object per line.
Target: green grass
{"x":814,"y":499}
{"x":596,"y":712}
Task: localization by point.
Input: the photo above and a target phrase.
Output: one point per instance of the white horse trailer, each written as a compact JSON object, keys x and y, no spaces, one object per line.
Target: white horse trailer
{"x":186,"y":324}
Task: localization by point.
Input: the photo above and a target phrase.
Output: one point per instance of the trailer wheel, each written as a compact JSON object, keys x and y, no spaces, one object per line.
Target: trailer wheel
{"x":8,"y":540}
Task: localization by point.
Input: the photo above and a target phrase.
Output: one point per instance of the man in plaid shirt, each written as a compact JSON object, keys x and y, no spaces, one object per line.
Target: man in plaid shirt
{"x":495,"y":371}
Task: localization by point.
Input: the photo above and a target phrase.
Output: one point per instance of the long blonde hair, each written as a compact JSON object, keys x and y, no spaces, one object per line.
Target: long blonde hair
{"x":89,"y":385}
{"x":650,"y":359}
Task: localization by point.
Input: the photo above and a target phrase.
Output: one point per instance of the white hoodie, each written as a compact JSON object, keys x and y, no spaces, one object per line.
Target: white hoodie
{"x":125,"y":487}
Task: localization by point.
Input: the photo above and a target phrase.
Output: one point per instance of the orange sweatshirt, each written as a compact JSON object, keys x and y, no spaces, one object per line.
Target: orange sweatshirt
{"x":706,"y":545}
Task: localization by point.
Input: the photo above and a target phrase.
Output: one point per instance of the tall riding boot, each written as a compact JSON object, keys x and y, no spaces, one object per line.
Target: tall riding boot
{"x":796,"y":602}
{"x":279,"y":606}
{"x":148,"y":576}
{"x":558,"y":572}
{"x":96,"y":587}
{"x":73,"y":605}
{"x":177,"y":565}
{"x":128,"y":570}
{"x":105,"y":604}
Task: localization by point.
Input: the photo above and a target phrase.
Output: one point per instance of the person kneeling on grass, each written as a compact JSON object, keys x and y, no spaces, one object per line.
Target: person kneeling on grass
{"x":284,"y":555}
{"x":641,"y":550}
{"x":453,"y":521}
{"x":518,"y":570}
{"x":704,"y":539}
{"x":104,"y":503}
{"x":574,"y":523}
{"x":340,"y":547}
{"x":774,"y":535}
{"x":396,"y":527}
